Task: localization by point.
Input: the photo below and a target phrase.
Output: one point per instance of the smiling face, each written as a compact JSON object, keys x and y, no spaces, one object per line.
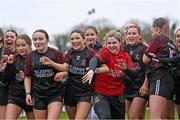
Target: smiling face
{"x":133,"y":36}
{"x":9,"y":40}
{"x":77,"y":41}
{"x":91,"y":37}
{"x":113,"y":45}
{"x":22,"y":47}
{"x":40,"y":42}
{"x":177,"y":39}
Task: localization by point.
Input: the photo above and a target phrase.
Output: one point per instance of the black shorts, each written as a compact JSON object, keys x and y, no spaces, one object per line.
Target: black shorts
{"x":177,"y":85}
{"x":109,"y":107}
{"x":20,"y":102}
{"x":3,"y":95}
{"x":176,"y":96}
{"x":131,"y":97}
{"x":42,"y":103}
{"x":74,"y":95}
{"x":163,"y":86}
{"x":176,"y":99}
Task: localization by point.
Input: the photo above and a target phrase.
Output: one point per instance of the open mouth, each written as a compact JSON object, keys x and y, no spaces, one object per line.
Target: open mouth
{"x":9,"y":44}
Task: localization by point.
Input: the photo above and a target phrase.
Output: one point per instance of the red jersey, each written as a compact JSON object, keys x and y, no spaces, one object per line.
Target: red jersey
{"x":112,"y":85}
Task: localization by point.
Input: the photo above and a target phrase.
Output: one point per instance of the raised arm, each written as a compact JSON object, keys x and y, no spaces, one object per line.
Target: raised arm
{"x":60,"y":67}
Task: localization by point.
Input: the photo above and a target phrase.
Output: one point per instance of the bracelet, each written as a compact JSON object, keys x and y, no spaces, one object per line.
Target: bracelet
{"x":28,"y":93}
{"x":96,"y":70}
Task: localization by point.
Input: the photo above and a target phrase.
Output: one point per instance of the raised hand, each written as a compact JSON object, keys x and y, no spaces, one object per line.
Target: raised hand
{"x":11,"y":59}
{"x":3,"y":62}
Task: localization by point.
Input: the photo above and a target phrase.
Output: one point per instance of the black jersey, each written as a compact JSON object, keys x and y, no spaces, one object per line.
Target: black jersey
{"x":4,"y":75}
{"x":1,"y":49}
{"x":16,"y":84}
{"x":162,"y":47}
{"x":175,"y":61}
{"x":97,"y":46}
{"x":177,"y":68}
{"x":43,"y":83}
{"x":136,"y":54}
{"x":78,"y":62}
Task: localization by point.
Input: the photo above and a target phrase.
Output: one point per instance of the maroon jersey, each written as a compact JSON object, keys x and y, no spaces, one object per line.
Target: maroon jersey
{"x":112,"y":85}
{"x":162,"y":47}
{"x":43,"y":83}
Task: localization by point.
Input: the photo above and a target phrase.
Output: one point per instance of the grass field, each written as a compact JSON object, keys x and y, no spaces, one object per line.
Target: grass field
{"x":64,"y":116}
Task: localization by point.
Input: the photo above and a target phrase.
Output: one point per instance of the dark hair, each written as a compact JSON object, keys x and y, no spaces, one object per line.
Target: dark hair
{"x":176,"y":32}
{"x":42,"y":31}
{"x":91,"y":27}
{"x":26,"y":38}
{"x":163,"y":25}
{"x":12,"y":31}
{"x":1,"y":32}
{"x":160,"y":22}
{"x":78,"y":31}
{"x":138,"y":30}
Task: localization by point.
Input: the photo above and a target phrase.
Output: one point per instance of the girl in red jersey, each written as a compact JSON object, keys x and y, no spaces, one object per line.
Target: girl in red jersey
{"x":160,"y":78}
{"x":109,"y":87}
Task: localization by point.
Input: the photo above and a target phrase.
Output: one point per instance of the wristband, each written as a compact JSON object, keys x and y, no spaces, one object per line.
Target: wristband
{"x":28,"y":93}
{"x":96,"y":70}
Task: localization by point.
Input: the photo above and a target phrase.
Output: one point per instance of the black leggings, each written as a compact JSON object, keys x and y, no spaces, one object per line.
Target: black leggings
{"x":107,"y":107}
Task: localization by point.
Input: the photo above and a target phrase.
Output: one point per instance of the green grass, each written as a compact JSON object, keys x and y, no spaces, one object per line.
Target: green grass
{"x":64,"y":116}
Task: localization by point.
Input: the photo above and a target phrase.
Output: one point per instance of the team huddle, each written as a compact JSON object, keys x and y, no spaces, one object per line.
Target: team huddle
{"x":122,"y":76}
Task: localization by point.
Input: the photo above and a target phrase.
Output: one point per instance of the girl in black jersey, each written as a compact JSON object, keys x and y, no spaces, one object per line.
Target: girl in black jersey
{"x":8,"y":47}
{"x":16,"y":97}
{"x":77,"y":94}
{"x":136,"y":87}
{"x":45,"y":94}
{"x":176,"y":72}
{"x":161,"y":81}
{"x":91,"y":36}
{"x":1,"y":42}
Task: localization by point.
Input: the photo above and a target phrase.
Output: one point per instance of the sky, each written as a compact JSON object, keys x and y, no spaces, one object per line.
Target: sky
{"x":59,"y":16}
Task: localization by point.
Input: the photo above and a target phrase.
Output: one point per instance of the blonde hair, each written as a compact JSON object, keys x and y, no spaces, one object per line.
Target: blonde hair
{"x":116,"y":34}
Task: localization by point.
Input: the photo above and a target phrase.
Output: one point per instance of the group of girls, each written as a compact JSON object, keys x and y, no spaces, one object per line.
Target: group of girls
{"x":117,"y":78}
